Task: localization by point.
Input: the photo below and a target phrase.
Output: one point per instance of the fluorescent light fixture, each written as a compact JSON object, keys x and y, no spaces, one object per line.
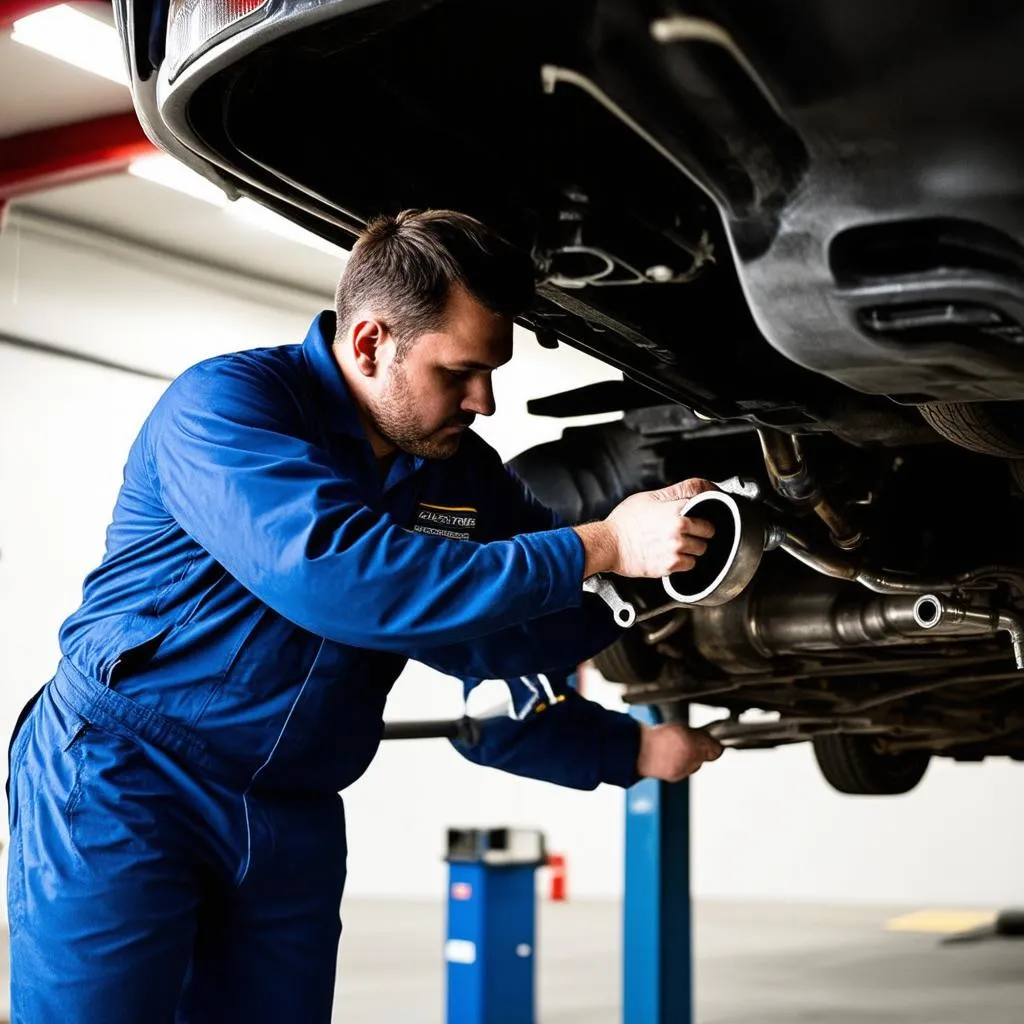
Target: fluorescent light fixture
{"x":164,"y":170}
{"x":259,"y":216}
{"x":171,"y":173}
{"x":76,"y":38}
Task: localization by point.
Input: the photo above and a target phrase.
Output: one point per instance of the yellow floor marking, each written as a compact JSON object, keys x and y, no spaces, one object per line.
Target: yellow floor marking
{"x":941,"y":922}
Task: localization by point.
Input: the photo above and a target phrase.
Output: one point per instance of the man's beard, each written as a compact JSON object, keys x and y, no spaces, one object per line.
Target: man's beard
{"x":395,"y":420}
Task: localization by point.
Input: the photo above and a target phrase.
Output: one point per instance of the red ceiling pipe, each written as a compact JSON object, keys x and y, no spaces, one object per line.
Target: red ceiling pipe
{"x":70,"y":152}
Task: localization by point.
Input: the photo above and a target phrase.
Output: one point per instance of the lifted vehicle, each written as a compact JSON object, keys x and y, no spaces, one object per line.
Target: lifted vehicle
{"x":796,"y":227}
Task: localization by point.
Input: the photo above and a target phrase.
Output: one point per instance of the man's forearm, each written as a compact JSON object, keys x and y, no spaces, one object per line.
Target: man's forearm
{"x":599,"y":546}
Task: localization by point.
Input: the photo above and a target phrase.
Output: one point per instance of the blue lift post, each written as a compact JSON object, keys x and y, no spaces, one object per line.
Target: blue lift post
{"x":657,"y":976}
{"x":492,"y":925}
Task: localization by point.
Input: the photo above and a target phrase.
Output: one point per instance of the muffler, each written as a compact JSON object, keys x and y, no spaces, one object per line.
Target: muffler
{"x":775,"y":619}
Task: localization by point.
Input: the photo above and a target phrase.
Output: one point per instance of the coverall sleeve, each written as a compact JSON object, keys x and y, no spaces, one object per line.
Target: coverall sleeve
{"x":292,"y":526}
{"x":546,"y":643}
{"x":553,"y":734}
{"x":556,"y":735}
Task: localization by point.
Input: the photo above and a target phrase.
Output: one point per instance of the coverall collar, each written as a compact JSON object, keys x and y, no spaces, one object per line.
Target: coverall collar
{"x":339,"y":406}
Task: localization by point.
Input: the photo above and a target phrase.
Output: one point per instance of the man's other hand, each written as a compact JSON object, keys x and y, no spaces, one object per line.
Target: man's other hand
{"x":645,"y":535}
{"x":673,"y":752}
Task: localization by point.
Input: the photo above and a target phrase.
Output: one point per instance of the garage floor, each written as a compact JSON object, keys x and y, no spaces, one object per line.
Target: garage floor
{"x":763,"y":963}
{"x":766,"y":963}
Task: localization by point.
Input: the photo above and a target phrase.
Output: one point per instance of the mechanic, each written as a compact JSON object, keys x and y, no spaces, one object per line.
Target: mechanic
{"x":294,"y":524}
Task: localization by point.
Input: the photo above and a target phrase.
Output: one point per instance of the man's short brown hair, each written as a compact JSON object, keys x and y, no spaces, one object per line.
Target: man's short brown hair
{"x":403,"y":269}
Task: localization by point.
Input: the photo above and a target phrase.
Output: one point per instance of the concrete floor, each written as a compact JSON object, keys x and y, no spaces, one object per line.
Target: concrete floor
{"x":756,"y":964}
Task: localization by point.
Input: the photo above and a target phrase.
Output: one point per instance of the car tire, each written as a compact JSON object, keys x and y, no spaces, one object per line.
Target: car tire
{"x":855,"y":765}
{"x":980,"y":428}
{"x":629,"y":660}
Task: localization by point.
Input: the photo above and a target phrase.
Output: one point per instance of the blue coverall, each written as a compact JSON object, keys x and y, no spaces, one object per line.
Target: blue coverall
{"x":177,"y":833}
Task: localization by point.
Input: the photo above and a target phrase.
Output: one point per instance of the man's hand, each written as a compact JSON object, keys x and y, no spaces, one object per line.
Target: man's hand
{"x":645,"y":535}
{"x":673,"y":752}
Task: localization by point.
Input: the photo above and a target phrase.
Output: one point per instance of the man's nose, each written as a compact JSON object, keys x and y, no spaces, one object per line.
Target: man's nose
{"x":480,"y":399}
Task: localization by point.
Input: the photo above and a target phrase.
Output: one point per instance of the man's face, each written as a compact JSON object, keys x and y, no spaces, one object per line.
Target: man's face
{"x":427,"y":399}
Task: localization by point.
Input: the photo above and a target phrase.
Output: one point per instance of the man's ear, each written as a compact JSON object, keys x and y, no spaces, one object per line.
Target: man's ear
{"x":366,"y":339}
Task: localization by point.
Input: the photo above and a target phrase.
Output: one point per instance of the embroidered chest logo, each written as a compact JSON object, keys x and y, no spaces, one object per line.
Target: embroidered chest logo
{"x":454,"y":522}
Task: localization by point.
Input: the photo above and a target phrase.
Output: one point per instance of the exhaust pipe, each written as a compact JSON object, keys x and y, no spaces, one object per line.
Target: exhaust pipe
{"x":743,"y":534}
{"x":946,"y":614}
{"x":733,"y":554}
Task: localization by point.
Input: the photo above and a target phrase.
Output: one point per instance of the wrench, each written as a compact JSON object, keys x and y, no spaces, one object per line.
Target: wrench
{"x":624,"y":612}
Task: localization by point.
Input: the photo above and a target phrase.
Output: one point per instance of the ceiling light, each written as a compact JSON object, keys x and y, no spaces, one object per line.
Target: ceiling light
{"x":171,"y":173}
{"x":72,"y":36}
{"x":164,"y":170}
{"x":259,"y":216}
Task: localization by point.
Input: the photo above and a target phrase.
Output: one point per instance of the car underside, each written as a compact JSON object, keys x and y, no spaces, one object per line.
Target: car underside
{"x":797,"y":229}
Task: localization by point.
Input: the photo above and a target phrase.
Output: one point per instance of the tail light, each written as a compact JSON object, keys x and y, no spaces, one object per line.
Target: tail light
{"x":191,"y":24}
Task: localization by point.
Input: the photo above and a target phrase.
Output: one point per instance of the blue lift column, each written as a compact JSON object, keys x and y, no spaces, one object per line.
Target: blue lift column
{"x":657,"y":981}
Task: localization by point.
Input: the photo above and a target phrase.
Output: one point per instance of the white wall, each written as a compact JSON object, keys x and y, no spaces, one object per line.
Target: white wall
{"x":766,"y":826}
{"x":121,"y":302}
{"x":64,"y":430}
